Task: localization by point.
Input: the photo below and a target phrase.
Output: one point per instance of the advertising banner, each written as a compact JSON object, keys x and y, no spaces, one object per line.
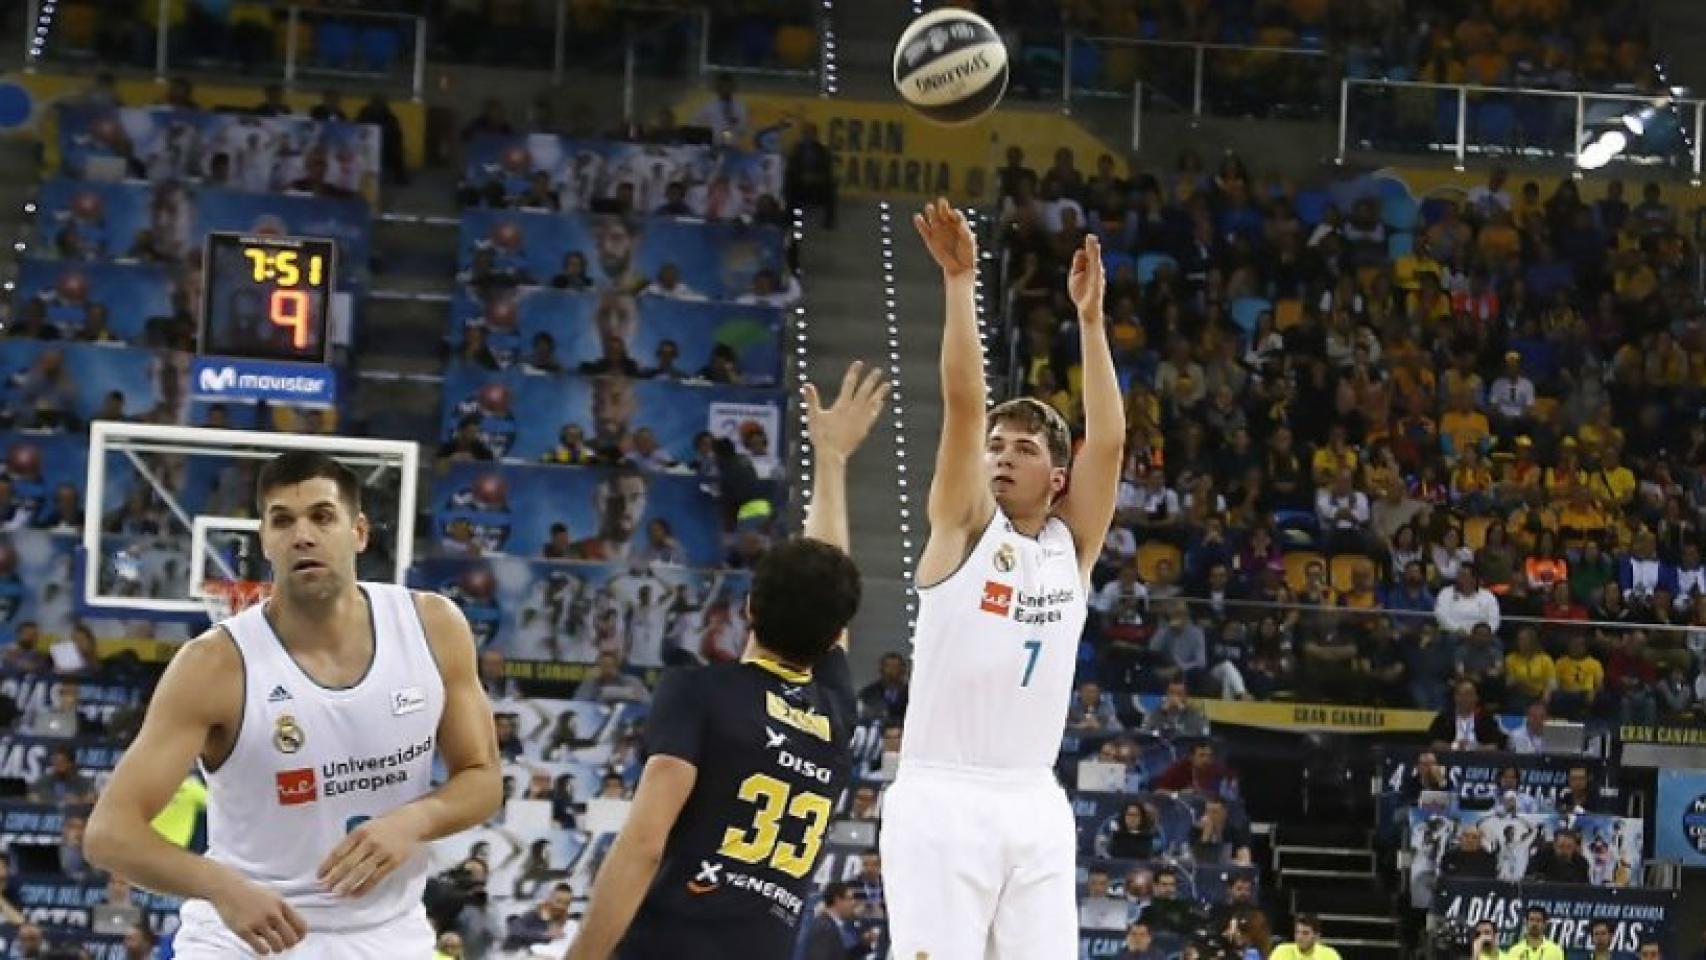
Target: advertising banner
{"x":1680,"y":821}
{"x":1635,"y":914}
{"x":233,"y":380}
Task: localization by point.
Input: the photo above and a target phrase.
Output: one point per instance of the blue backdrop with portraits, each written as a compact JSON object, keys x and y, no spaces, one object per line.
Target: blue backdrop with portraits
{"x":262,"y":154}
{"x":578,"y":321}
{"x":521,"y":416}
{"x":720,"y":183}
{"x":88,"y":220}
{"x":540,"y":610}
{"x":66,"y":290}
{"x":717,"y":260}
{"x":522,"y":502}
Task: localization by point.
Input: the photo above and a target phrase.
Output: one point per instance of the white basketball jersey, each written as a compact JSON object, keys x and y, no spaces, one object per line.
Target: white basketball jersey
{"x":995,"y":651}
{"x":311,"y":763}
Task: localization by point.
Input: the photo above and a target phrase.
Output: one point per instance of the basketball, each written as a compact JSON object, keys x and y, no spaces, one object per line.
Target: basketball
{"x":951,"y":66}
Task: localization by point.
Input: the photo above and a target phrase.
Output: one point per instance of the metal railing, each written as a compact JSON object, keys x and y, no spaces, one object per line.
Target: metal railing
{"x":1224,"y":78}
{"x":1462,"y":119}
{"x":375,"y":62}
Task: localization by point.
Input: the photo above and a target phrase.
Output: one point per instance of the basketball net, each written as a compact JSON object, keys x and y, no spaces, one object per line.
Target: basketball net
{"x":227,"y":598}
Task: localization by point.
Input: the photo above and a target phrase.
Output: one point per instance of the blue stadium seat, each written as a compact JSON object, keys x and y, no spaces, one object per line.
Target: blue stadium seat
{"x":1246,"y":310}
{"x":1433,"y":209}
{"x":380,"y":47}
{"x":1086,"y":63}
{"x":1113,"y":261}
{"x":1311,"y":206}
{"x":334,"y":43}
{"x":1149,"y":263}
{"x":1399,"y":244}
{"x":1493,"y":124}
{"x":1398,"y":212}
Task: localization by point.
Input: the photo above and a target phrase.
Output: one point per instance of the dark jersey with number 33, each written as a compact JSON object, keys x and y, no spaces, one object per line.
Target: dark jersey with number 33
{"x":771,"y":748}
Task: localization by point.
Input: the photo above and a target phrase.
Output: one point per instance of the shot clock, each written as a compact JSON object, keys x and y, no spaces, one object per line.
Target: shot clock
{"x":267,"y":297}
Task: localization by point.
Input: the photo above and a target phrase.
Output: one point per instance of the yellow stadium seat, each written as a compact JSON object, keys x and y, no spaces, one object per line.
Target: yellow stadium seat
{"x":1150,"y":555}
{"x":1120,"y":67}
{"x":1288,"y":313}
{"x":1544,"y":408}
{"x":796,"y":46}
{"x":76,"y":27}
{"x":1475,"y":531}
{"x":304,"y":39}
{"x":1296,"y":563}
{"x":1343,"y":565}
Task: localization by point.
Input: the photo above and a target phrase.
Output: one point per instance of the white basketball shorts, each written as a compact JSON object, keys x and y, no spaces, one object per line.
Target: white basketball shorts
{"x":979,"y":865}
{"x":203,"y":936}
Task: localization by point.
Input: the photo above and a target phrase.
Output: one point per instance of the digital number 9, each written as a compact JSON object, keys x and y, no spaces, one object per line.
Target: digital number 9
{"x":289,"y":308}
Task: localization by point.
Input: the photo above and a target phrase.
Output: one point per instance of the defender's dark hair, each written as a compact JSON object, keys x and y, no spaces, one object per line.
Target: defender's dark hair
{"x":1309,"y":920}
{"x":804,"y":593}
{"x":300,"y":466}
{"x":1035,"y":416}
{"x":835,"y":891}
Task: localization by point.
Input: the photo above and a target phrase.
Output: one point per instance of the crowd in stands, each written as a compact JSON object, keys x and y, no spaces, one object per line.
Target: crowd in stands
{"x":1442,"y":434}
{"x":1561,"y":44}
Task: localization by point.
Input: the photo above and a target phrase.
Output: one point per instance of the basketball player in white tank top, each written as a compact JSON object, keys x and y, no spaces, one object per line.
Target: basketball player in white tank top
{"x":315,"y":716}
{"x":978,"y":840}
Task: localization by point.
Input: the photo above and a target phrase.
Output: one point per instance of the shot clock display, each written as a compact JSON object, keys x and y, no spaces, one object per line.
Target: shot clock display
{"x":267,"y":297}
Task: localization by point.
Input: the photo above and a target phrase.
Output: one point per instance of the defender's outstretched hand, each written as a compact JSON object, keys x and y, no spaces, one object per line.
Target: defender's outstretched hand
{"x":839,"y":429}
{"x":1088,"y":280}
{"x":948,"y":237}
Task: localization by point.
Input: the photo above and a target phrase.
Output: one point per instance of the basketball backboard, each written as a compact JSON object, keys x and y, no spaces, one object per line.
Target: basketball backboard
{"x":170,"y":516}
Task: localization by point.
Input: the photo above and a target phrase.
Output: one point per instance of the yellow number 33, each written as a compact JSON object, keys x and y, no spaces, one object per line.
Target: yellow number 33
{"x":772,"y":798}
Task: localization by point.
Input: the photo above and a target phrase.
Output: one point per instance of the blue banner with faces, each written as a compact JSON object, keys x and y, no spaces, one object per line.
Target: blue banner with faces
{"x":54,"y":386}
{"x":605,"y":514}
{"x":73,"y":300}
{"x":237,"y":151}
{"x":523,"y":417}
{"x":62,"y":901}
{"x":1634,"y":915}
{"x":167,"y":222}
{"x":44,"y":478}
{"x":697,"y":180}
{"x":545,"y":612}
{"x":545,"y":331}
{"x":711,"y":261}
{"x":1680,"y":822}
{"x":37,"y":585}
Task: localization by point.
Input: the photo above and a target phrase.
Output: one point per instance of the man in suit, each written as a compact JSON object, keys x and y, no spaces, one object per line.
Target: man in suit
{"x":832,"y":936}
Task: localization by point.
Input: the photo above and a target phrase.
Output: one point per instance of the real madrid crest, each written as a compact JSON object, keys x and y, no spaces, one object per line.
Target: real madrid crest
{"x":287,"y":737}
{"x":1005,"y":558}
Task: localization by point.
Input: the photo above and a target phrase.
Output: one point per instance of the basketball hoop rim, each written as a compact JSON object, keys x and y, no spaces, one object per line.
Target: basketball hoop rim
{"x":225,"y":599}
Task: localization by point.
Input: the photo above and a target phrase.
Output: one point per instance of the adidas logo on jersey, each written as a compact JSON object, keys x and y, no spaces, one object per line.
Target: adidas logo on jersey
{"x":278,"y":694}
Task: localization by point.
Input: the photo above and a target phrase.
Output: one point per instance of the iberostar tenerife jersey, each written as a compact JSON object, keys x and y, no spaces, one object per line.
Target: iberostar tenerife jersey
{"x":994,"y":653}
{"x":770,"y":745}
{"x":311,"y":763}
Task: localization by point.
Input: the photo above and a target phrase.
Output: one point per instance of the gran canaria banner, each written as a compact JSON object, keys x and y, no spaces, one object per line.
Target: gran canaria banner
{"x":882,"y":148}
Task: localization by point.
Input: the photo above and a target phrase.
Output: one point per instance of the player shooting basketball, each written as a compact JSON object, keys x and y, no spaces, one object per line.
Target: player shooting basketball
{"x":1002,"y":585}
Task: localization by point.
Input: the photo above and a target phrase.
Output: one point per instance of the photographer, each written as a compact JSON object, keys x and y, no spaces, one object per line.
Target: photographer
{"x":456,"y":901}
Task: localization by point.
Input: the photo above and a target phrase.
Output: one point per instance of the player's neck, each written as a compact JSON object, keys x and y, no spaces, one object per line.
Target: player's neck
{"x":306,"y":623}
{"x":757,"y":654}
{"x":1027,"y":519}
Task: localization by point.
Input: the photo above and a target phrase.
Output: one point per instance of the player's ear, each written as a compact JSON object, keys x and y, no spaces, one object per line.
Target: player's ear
{"x":1057,"y":480}
{"x":361,"y":531}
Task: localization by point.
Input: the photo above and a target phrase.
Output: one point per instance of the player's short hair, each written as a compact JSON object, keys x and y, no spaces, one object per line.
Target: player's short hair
{"x":1309,"y":920}
{"x":804,"y":594}
{"x":300,"y":466}
{"x":1533,"y":909}
{"x":1594,"y":926}
{"x":1035,"y":416}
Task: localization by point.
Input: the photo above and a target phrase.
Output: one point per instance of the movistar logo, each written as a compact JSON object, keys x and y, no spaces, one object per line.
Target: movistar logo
{"x":228,"y":378}
{"x":221,"y":379}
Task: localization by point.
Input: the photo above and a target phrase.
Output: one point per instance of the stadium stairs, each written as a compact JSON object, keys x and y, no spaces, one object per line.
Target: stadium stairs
{"x":398,"y":341}
{"x":1331,"y":870}
{"x":841,"y":272}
